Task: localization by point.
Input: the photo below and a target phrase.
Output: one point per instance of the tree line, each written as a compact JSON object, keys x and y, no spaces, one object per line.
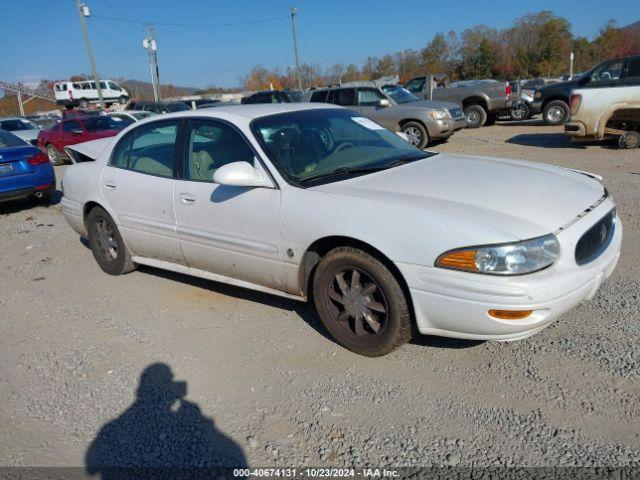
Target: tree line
{"x":535,"y":45}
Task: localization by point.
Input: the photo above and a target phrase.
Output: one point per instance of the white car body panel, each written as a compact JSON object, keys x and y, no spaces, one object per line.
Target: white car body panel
{"x":257,"y":237}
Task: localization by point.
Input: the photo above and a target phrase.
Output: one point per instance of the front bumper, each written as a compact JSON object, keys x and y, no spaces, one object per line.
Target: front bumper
{"x":440,"y":128}
{"x":459,"y":124}
{"x":575,"y":129}
{"x":455,"y":304}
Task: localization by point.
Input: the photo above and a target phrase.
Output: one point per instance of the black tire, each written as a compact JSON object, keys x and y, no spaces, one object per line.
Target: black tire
{"x":106,"y":244}
{"x":417,"y":134}
{"x":476,"y":116}
{"x":491,"y":119}
{"x":122,"y":100}
{"x":556,"y":113}
{"x":84,"y":103}
{"x":368,"y":313}
{"x":629,"y":140}
{"x":54,"y":155}
{"x":520,"y":113}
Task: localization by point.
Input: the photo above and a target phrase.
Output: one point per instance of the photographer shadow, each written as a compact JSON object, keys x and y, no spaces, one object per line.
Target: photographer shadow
{"x":161,"y":435}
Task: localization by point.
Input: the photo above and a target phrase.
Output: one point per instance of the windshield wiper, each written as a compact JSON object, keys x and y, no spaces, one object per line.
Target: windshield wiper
{"x":350,"y":170}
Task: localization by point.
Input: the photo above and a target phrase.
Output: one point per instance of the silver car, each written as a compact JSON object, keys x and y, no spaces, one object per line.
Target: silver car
{"x":397,"y":109}
{"x":21,"y":127}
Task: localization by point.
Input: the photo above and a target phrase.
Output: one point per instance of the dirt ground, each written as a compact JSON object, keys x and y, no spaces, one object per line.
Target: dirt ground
{"x":155,"y":368}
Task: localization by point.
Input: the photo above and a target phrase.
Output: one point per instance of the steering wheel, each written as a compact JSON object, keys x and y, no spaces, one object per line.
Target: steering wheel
{"x":327,"y":139}
{"x":343,"y":146}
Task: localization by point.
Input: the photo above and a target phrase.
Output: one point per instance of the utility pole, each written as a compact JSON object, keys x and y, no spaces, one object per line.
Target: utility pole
{"x":152,"y":47}
{"x":294,"y":11}
{"x":571,"y":57}
{"x":83,"y":11}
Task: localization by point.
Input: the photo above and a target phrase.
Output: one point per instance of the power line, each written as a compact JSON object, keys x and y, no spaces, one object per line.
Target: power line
{"x":205,"y":25}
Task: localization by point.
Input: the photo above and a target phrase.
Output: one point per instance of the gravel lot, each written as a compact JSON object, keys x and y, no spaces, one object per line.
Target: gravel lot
{"x":82,"y":352}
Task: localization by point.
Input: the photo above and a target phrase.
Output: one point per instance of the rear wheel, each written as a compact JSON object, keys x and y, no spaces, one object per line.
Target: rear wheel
{"x":122,"y":100}
{"x":54,"y":155}
{"x":556,"y":113}
{"x":491,"y":119}
{"x":416,"y":133}
{"x":360,"y":302}
{"x":521,"y":112}
{"x":107,"y":245}
{"x":476,"y":116}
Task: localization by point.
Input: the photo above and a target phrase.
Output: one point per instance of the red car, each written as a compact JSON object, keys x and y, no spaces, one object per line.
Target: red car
{"x":78,"y":130}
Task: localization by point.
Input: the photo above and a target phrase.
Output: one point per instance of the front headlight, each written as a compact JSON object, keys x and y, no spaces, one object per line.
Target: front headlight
{"x":503,"y":259}
{"x":538,"y":94}
{"x":439,"y":114}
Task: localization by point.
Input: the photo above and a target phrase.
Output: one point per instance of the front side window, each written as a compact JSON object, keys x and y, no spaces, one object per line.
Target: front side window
{"x":607,"y":71}
{"x":416,"y":85}
{"x":211,"y":145}
{"x":113,"y":86}
{"x":148,"y":149}
{"x":71,"y":126}
{"x":103,"y":85}
{"x":345,"y":97}
{"x":314,"y":146}
{"x":369,"y":97}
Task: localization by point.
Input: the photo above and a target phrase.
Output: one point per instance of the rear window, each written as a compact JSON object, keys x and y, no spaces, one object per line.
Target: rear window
{"x":102,"y":123}
{"x":8,"y":140}
{"x":176,"y":107}
{"x":320,"y":96}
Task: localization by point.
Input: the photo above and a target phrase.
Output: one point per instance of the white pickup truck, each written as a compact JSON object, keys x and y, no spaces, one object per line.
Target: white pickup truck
{"x":609,"y":110}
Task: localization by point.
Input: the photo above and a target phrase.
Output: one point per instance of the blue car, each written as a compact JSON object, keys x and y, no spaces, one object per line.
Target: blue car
{"x":25,"y":171}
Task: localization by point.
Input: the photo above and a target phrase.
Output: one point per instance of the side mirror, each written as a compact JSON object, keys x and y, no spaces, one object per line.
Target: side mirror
{"x":384,"y":103}
{"x":240,"y":174}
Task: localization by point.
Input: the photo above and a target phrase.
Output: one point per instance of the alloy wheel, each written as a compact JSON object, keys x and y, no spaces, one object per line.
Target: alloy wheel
{"x":414,"y":136}
{"x":555,"y":114}
{"x":357,"y":303}
{"x":52,"y":154}
{"x":106,"y":240}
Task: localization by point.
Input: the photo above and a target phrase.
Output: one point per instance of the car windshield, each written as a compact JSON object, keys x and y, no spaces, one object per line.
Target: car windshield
{"x":309,"y":147}
{"x":96,"y":124}
{"x":8,"y":140}
{"x":399,"y":94}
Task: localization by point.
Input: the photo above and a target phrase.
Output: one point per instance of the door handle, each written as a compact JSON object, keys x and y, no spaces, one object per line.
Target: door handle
{"x":187,"y":198}
{"x":109,"y":185}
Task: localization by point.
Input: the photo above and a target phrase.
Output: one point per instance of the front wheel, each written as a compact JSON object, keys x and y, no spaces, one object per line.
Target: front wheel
{"x":556,"y":113}
{"x":106,"y":244}
{"x":360,"y":302}
{"x":122,"y":100}
{"x":416,"y":133}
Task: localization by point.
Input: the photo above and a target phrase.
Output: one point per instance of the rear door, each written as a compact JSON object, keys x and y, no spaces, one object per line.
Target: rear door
{"x":227,"y":230}
{"x":138,"y":183}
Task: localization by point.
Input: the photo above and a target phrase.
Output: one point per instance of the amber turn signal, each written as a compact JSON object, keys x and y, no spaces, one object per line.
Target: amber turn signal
{"x":510,"y":314}
{"x":460,"y":259}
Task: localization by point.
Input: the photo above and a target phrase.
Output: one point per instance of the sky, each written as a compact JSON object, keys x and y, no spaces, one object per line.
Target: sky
{"x":46,"y":41}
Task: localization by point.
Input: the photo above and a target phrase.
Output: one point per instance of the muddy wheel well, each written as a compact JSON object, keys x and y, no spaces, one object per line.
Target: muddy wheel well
{"x":475,"y":101}
{"x":321,"y":247}
{"x":404,"y":121}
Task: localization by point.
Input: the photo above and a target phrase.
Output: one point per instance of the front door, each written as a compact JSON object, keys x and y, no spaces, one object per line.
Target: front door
{"x":369,"y":106}
{"x":138,"y":186}
{"x":230,"y":231}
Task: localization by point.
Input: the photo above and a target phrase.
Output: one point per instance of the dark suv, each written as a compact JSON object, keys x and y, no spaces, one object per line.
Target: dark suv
{"x":273,"y":96}
{"x":553,"y":100}
{"x":158,"y":107}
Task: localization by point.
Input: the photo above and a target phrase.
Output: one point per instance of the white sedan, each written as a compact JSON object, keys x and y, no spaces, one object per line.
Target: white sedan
{"x":317,"y":202}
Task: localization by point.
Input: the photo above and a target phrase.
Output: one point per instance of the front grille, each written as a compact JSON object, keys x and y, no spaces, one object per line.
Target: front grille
{"x":456,"y":113}
{"x":596,"y":239}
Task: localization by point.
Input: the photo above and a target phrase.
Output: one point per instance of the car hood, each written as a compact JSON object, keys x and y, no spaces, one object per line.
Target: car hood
{"x":519,"y":199}
{"x":431,"y":104}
